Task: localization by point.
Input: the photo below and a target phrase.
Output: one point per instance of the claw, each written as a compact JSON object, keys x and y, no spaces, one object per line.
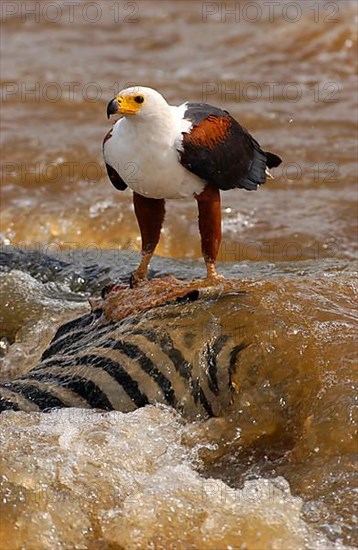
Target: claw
{"x":111,"y":287}
{"x":212,"y":277}
{"x":211,"y":280}
{"x":136,"y":279}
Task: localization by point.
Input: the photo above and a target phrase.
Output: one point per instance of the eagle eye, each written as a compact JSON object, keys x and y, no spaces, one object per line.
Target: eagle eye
{"x":139,"y":99}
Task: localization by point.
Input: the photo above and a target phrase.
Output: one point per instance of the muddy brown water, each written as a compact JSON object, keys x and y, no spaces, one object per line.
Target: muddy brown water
{"x":148,"y":479}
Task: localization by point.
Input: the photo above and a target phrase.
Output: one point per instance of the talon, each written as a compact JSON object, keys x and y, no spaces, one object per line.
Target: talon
{"x":111,"y":287}
{"x":211,"y":280}
{"x":136,"y":279}
{"x":214,"y":279}
{"x":212,"y":276}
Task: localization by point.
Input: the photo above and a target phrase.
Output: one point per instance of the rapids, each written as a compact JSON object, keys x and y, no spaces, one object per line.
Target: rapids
{"x":279,"y":474}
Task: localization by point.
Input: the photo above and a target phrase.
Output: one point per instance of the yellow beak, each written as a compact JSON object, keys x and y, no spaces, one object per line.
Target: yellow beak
{"x":123,"y":105}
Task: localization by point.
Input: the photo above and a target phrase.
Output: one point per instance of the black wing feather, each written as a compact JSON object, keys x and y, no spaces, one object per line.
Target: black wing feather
{"x":113,"y":175}
{"x":231,"y":157}
{"x":115,"y":178}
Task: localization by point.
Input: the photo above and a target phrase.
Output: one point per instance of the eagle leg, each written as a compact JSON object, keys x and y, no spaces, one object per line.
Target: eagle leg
{"x":150,"y":217}
{"x":209,"y":206}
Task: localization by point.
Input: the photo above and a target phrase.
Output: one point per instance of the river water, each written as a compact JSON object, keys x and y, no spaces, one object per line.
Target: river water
{"x":149,"y":479}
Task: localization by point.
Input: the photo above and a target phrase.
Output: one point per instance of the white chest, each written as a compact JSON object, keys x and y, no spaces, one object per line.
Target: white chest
{"x":149,"y":162}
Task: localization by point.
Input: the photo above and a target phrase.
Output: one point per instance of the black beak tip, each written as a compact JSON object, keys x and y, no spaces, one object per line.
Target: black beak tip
{"x":112,"y":107}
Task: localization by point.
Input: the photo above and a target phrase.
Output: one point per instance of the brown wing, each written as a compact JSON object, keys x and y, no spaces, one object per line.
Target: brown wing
{"x":219,"y":150}
{"x":113,"y":175}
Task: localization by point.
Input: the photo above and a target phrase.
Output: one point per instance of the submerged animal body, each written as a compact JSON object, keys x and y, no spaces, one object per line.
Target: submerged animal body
{"x":161,"y":151}
{"x":96,"y":363}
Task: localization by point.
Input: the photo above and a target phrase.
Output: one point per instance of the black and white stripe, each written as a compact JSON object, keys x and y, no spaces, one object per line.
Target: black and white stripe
{"x":94,"y":363}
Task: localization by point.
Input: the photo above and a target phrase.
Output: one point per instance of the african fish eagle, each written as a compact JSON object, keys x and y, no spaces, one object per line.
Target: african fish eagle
{"x":162,"y":151}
